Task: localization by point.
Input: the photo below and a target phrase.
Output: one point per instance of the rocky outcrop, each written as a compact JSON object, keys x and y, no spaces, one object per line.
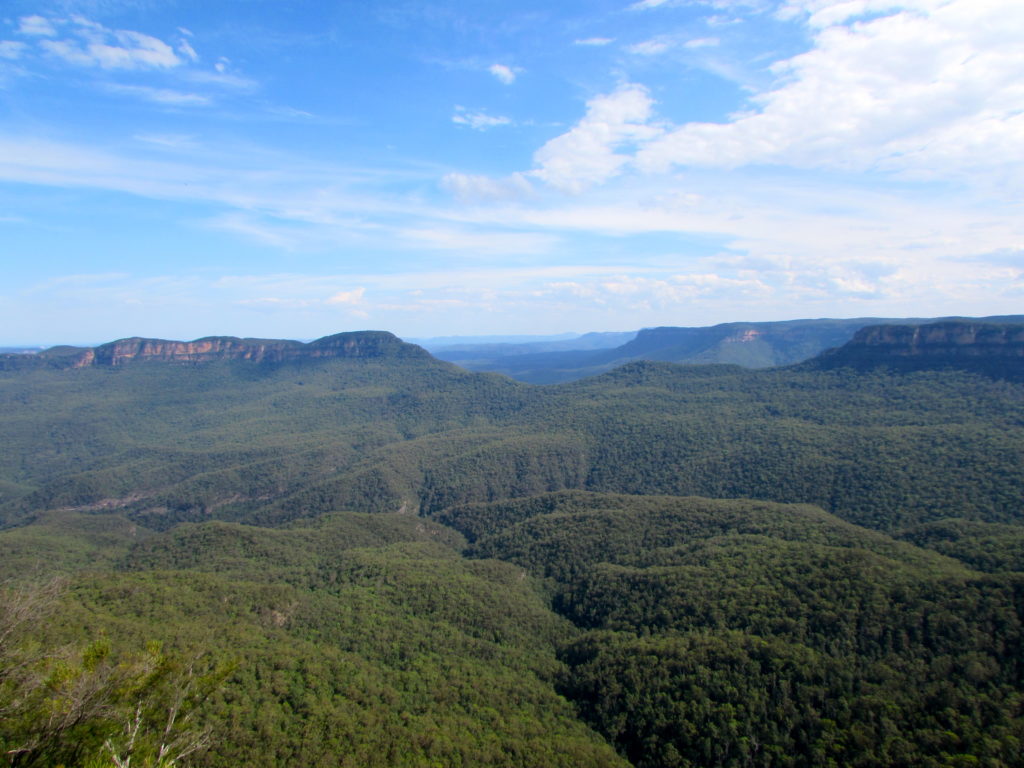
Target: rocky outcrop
{"x":126,"y":351}
{"x":991,"y":348}
{"x":359,"y":344}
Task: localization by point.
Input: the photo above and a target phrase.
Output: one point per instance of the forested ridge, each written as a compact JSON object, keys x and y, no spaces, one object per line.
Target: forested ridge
{"x":382,"y":559}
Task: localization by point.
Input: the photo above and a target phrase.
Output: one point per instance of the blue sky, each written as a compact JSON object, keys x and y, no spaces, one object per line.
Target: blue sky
{"x":289,"y":168}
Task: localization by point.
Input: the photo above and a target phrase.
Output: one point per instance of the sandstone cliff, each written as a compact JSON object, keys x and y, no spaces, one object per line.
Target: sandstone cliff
{"x":359,"y":344}
{"x":993,"y":349}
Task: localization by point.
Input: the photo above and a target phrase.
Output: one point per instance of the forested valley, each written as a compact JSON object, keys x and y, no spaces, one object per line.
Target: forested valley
{"x":376,"y":558}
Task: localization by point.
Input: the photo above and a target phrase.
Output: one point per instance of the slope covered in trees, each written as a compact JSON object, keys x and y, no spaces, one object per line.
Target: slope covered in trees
{"x":740,"y":632}
{"x":396,"y":562}
{"x":267,"y":443}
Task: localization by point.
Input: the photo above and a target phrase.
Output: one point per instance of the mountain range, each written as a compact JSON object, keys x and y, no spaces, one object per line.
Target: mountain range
{"x":752,"y":345}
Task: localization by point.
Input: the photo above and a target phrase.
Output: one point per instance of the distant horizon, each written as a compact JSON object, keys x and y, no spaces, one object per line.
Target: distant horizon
{"x":510,"y":338}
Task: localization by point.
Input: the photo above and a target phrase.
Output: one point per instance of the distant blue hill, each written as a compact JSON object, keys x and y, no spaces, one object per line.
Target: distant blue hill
{"x":748,"y":344}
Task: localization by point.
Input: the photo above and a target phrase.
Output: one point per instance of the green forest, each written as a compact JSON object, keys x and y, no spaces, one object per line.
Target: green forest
{"x":387,"y":560}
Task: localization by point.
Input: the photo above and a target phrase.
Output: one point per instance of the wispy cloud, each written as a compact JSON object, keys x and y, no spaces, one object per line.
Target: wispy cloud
{"x":622,"y":296}
{"x":186,"y":50}
{"x":479,"y":121}
{"x":81,"y":42}
{"x":168,"y":140}
{"x":644,"y":5}
{"x":469,"y":188}
{"x":160,"y":95}
{"x":277,"y":184}
{"x":503,"y":73}
{"x":91,"y":44}
{"x":759,"y":6}
{"x":36,"y":26}
{"x":221,"y":78}
{"x":702,"y":42}
{"x":594,"y":41}
{"x":664,"y":43}
{"x":347,"y":297}
{"x":650,"y":47}
{"x":12,"y":49}
{"x":803,"y":243}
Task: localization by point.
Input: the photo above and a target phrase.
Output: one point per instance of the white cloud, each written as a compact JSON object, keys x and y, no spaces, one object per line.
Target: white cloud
{"x":595,"y":41}
{"x":587,"y":155}
{"x":651,"y":47}
{"x":36,"y":26}
{"x":505,"y":74}
{"x":928,"y":87}
{"x":10,"y":49}
{"x":347,"y":297}
{"x":187,"y":50}
{"x":93,"y":45}
{"x":824,"y":13}
{"x":807,"y":240}
{"x":663,"y":43}
{"x":645,"y":5}
{"x":722,"y":21}
{"x":479,"y":121}
{"x":755,"y":6}
{"x":472,"y":189}
{"x":786,"y":243}
{"x":635,"y":292}
{"x":84,"y":43}
{"x":502,"y":289}
{"x":528,"y":298}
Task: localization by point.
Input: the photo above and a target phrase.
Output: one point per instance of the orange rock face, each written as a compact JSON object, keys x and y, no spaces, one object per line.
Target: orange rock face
{"x":360,"y":344}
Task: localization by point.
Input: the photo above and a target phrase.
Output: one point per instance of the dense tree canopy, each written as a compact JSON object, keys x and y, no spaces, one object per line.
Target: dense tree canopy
{"x":389,"y":561}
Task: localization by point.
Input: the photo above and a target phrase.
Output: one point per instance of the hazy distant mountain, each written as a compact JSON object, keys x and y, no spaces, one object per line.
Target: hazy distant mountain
{"x":477,"y":348}
{"x":751,"y":345}
{"x":439,"y":342}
